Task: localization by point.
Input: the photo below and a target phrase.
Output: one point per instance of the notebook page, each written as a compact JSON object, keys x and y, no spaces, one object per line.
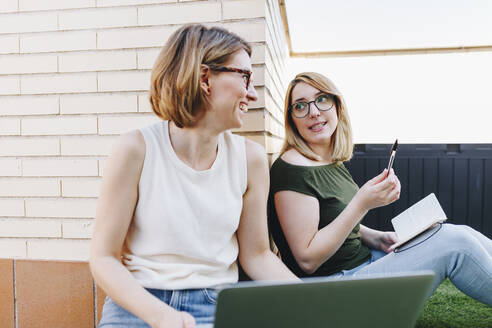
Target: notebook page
{"x":418,"y":217}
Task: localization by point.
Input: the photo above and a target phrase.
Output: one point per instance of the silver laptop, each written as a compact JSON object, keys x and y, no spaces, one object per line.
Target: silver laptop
{"x":356,"y":302}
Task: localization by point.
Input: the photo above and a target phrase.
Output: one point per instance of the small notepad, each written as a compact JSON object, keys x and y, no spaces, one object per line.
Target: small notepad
{"x":417,"y":219}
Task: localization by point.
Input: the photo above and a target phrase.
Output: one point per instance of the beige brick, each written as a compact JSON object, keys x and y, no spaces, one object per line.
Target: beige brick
{"x":28,"y":22}
{"x":243,"y":9}
{"x":273,"y":126}
{"x":58,"y":41}
{"x":179,"y":13}
{"x":9,"y":85}
{"x":251,"y":31}
{"x":116,"y":124}
{"x":147,"y":57}
{"x":101,"y":167}
{"x":29,"y":146}
{"x":258,"y":53}
{"x":59,"y":167}
{"x":9,"y":44}
{"x":260,"y":102}
{"x":9,"y":127}
{"x":52,"y":249}
{"x":13,"y":248}
{"x":144,"y":103}
{"x":80,"y":187}
{"x":124,"y":81}
{"x":253,"y":121}
{"x":58,"y":83}
{"x":97,"y":61}
{"x":97,"y":18}
{"x":98,"y":103}
{"x":30,"y":228}
{"x":29,"y":105}
{"x":11,"y":207}
{"x":134,"y":37}
{"x":29,"y":187}
{"x":111,"y":3}
{"x":274,"y":105}
{"x":86,"y":145}
{"x":61,"y":208}
{"x":260,"y":138}
{"x":258,"y":75}
{"x":59,"y":125}
{"x":7,"y":6}
{"x":75,"y":228}
{"x":10,"y":168}
{"x":273,"y":144}
{"x":31,"y":5}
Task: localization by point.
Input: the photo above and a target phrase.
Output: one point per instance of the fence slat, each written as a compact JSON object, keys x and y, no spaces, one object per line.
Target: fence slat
{"x":460,"y":176}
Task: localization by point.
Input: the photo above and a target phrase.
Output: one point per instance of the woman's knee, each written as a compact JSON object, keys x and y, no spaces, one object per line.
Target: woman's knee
{"x":456,"y":237}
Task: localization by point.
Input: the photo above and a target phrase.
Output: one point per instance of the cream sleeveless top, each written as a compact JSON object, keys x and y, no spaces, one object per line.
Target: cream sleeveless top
{"x":183,"y":232}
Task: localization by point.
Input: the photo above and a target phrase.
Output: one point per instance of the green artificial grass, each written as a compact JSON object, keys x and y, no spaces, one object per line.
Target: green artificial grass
{"x":450,"y":308}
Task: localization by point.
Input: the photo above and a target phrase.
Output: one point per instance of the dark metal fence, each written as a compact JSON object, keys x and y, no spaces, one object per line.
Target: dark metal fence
{"x":459,"y":174}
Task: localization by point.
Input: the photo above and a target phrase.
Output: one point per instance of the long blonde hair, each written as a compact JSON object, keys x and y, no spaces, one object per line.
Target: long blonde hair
{"x":341,"y":140}
{"x":175,"y":92}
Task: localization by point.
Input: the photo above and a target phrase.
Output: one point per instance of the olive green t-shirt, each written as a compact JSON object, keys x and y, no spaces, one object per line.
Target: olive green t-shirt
{"x":333,"y":186}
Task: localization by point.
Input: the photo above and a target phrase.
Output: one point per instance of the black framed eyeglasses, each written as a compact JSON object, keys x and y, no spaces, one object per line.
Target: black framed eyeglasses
{"x":323,"y":102}
{"x":245,"y":72}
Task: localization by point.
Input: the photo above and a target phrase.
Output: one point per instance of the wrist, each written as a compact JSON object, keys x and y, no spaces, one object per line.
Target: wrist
{"x":360,"y":203}
{"x":161,"y":315}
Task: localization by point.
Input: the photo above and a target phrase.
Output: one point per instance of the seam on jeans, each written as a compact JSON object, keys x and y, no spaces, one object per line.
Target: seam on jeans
{"x":185,"y":297}
{"x":477,"y":263}
{"x":172,"y":300}
{"x":208,"y":297}
{"x":472,"y":258}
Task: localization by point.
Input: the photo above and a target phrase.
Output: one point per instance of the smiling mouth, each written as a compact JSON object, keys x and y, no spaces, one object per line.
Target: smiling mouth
{"x":318,"y":126}
{"x":243,"y":108}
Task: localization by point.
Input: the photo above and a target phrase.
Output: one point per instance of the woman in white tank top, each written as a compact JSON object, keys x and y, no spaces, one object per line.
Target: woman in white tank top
{"x":182,"y":199}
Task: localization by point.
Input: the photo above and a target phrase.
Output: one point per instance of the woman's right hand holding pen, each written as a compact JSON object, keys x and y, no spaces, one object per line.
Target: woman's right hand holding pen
{"x":381,"y":190}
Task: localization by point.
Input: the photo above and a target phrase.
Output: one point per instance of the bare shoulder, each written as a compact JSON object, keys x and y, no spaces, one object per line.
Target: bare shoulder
{"x":292,"y":156}
{"x":131,"y":143}
{"x":255,"y":152}
{"x":257,"y":162}
{"x":128,"y":150}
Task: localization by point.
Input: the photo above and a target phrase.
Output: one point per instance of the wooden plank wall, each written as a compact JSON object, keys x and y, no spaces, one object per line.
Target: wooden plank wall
{"x":459,"y":175}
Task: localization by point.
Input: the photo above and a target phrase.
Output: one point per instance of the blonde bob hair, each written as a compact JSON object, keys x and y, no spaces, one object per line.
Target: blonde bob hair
{"x":341,"y":140}
{"x":175,"y":92}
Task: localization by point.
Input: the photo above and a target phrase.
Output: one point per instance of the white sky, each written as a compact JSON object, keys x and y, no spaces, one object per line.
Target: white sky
{"x":330,"y":25}
{"x":426,"y":98}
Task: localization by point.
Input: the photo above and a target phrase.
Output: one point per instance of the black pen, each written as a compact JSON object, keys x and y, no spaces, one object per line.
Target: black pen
{"x":392,"y":156}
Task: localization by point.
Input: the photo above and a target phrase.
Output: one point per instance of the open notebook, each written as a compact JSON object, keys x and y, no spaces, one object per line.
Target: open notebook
{"x":416,"y":219}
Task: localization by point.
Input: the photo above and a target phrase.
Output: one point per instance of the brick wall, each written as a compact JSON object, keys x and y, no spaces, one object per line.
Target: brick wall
{"x":74,"y":75}
{"x":275,"y":53}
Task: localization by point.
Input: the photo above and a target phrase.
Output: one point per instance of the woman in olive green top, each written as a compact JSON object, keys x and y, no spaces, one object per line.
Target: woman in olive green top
{"x":315,"y":208}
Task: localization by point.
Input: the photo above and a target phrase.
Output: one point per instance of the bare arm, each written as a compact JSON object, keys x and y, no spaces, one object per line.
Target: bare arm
{"x":299,"y":218}
{"x":254,"y":249}
{"x":376,"y":239}
{"x":116,"y":204}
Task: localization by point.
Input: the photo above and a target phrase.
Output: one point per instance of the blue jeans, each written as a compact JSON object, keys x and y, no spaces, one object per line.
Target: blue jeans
{"x":200,"y":303}
{"x":456,"y":252}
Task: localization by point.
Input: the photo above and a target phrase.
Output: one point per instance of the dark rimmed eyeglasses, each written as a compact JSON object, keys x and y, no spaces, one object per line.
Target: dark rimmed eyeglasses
{"x":323,"y":102}
{"x":245,"y":72}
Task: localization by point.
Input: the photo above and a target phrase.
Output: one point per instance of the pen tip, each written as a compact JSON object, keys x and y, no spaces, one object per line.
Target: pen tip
{"x":395,"y":145}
